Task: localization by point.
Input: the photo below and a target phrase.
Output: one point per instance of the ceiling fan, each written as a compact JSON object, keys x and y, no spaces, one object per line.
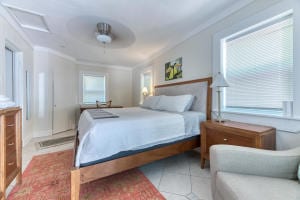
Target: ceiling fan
{"x":103,"y":33}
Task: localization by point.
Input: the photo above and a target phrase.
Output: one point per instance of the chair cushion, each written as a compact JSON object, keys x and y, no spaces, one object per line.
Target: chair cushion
{"x":247,"y":187}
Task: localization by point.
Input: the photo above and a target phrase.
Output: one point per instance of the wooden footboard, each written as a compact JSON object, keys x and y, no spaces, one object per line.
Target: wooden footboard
{"x":93,"y":172}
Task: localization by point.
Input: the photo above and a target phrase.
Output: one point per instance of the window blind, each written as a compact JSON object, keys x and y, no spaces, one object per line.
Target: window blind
{"x":93,"y":89}
{"x":259,"y":67}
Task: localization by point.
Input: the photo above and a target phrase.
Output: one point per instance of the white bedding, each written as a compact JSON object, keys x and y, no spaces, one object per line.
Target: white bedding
{"x":136,"y":127}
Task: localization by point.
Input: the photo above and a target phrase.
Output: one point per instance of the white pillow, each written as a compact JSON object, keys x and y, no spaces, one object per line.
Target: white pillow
{"x":151,"y":102}
{"x":175,"y":103}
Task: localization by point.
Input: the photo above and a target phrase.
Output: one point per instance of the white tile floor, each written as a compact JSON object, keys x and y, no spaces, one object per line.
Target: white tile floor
{"x":177,"y":178}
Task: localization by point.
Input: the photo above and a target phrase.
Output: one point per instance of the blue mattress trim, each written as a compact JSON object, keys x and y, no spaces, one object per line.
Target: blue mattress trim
{"x":131,"y":152}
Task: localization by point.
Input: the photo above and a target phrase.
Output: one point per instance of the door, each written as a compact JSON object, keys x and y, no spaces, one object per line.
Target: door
{"x":64,"y":99}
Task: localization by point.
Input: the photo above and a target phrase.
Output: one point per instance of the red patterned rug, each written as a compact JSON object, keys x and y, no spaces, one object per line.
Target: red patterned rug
{"x":47,"y":177}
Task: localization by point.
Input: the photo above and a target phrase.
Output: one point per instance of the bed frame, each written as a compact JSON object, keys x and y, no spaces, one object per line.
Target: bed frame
{"x":81,"y":175}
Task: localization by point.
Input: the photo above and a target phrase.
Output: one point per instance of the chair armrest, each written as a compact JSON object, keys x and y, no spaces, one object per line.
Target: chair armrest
{"x":244,"y":160}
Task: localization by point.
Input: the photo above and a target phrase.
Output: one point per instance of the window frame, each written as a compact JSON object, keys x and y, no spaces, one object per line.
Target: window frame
{"x":277,"y":11}
{"x":13,"y":72}
{"x":269,"y":111}
{"x":91,"y":73}
{"x":150,"y":92}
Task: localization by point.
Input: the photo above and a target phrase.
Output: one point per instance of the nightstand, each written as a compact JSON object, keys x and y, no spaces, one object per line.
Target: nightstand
{"x":235,"y":133}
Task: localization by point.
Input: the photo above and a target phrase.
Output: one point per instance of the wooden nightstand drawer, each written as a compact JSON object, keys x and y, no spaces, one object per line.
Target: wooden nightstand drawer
{"x":235,"y":133}
{"x":218,"y":137}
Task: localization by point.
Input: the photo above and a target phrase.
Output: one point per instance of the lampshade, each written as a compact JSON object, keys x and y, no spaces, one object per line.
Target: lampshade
{"x":105,"y":39}
{"x":219,"y":81}
{"x":145,"y":90}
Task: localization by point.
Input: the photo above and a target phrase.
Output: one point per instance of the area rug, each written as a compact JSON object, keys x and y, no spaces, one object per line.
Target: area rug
{"x":47,"y":177}
{"x":54,"y":142}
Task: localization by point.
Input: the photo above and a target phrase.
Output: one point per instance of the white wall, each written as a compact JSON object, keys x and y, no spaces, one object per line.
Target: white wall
{"x":197,"y":55}
{"x":9,"y":35}
{"x":46,"y":63}
{"x":45,"y":66}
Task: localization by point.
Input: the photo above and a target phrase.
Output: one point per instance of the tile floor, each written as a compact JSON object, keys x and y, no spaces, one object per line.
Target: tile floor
{"x":177,"y":178}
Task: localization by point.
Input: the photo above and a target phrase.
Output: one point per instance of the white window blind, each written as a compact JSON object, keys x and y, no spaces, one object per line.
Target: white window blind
{"x":259,"y":67}
{"x":93,"y":89}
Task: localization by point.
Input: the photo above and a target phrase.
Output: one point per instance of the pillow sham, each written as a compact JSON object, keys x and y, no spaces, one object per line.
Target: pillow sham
{"x":151,"y":102}
{"x":179,"y":103}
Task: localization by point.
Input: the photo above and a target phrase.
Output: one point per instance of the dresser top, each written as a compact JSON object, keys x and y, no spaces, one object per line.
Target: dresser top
{"x":5,"y":110}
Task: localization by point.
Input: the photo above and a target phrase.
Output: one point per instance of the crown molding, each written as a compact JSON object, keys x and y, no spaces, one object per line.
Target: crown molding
{"x":79,"y":62}
{"x":196,"y":31}
{"x":10,"y":19}
{"x":95,"y":64}
{"x":54,"y":52}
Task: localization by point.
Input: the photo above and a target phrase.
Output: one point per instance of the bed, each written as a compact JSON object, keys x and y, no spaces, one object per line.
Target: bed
{"x":147,"y":139}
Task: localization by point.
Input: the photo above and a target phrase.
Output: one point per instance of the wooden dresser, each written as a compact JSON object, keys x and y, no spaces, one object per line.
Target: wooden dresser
{"x":10,"y":147}
{"x":235,"y":133}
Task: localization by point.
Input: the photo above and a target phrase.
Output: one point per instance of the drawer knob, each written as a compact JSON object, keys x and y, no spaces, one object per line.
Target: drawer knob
{"x":11,"y":163}
{"x":225,"y":139}
{"x":11,"y":144}
{"x":10,"y":125}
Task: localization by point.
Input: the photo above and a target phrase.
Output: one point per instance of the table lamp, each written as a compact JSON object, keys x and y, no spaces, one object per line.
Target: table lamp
{"x":219,"y":82}
{"x":145,"y":91}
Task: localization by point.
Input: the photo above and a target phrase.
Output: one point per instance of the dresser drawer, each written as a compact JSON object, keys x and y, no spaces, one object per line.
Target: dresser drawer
{"x":219,"y":137}
{"x":10,"y":144}
{"x":11,"y":163}
{"x":10,"y":120}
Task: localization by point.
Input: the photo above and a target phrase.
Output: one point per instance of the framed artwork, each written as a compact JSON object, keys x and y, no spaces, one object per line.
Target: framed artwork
{"x":173,"y":69}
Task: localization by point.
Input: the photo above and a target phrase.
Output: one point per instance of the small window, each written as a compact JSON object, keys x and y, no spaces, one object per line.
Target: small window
{"x":146,"y":82}
{"x":93,"y":89}
{"x":258,"y":65}
{"x":10,"y":71}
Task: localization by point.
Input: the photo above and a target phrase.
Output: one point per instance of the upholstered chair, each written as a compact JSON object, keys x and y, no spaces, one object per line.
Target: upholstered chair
{"x":254,"y":174}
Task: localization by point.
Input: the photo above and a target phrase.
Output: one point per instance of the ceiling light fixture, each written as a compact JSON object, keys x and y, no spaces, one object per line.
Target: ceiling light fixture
{"x":103,"y":34}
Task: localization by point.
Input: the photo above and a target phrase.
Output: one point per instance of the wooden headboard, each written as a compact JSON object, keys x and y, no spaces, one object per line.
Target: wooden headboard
{"x":200,"y":88}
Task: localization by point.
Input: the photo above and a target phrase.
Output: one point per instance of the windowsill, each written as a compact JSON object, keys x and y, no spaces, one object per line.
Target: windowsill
{"x":281,"y":123}
{"x":261,"y":113}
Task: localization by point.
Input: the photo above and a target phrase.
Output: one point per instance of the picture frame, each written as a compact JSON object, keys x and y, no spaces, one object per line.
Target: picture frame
{"x":173,"y":69}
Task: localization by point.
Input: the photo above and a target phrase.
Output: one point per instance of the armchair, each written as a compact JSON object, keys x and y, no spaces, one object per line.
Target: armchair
{"x":242,"y":173}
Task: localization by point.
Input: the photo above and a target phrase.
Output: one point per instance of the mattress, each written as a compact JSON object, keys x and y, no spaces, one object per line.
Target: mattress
{"x":135,"y":128}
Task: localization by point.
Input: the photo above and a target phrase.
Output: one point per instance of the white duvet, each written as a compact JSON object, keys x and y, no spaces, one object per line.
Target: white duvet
{"x":101,"y":138}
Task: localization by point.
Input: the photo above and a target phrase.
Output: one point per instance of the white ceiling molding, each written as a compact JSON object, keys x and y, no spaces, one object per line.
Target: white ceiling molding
{"x":78,"y":62}
{"x":103,"y":65}
{"x":200,"y":28}
{"x":45,"y":49}
{"x":15,"y":25}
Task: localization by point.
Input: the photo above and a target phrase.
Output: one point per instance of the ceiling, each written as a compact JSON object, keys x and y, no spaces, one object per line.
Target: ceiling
{"x":141,"y":28}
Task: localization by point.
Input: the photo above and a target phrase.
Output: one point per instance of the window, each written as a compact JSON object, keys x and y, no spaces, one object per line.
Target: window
{"x":10,"y":71}
{"x":146,"y":81}
{"x":258,"y":65}
{"x":93,"y":88}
